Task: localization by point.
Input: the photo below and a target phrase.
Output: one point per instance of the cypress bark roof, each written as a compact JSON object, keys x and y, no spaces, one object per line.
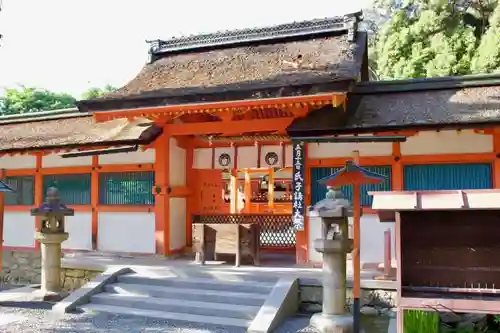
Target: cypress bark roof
{"x":467,"y":101}
{"x":286,"y":60}
{"x":48,"y":130}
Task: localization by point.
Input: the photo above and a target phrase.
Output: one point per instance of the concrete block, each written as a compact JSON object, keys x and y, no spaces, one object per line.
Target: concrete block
{"x":177,"y":305}
{"x":282,"y":302}
{"x":83,"y":295}
{"x":226,"y":322}
{"x":192,"y":283}
{"x":215,"y":296}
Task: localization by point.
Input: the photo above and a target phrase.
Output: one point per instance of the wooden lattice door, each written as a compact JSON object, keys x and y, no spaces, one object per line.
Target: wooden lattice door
{"x":209,"y":197}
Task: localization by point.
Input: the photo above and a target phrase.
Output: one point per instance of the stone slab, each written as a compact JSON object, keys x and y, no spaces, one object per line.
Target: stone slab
{"x":17,"y":293}
{"x":388,"y":285}
{"x":83,"y":295}
{"x":281,"y":303}
{"x":392,"y":326}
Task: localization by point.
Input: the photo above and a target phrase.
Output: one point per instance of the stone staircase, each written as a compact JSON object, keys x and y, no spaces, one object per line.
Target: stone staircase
{"x":205,"y":300}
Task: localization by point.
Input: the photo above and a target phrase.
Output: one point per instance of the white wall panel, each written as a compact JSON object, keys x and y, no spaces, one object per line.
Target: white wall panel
{"x":19,"y":229}
{"x":130,"y":232}
{"x":134,"y":157}
{"x":79,"y":228}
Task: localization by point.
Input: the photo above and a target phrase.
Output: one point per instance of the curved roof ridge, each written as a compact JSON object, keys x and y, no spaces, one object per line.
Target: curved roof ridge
{"x":257,"y":34}
{"x":42,"y":115}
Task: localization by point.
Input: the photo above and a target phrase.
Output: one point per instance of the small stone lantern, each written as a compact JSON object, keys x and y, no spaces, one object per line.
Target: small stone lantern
{"x":52,"y":214}
{"x":333,"y":211}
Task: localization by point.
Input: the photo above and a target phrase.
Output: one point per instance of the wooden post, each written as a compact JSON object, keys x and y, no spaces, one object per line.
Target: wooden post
{"x":270,"y":189}
{"x":234,"y":192}
{"x":388,"y":253}
{"x":2,"y":211}
{"x":356,"y":261}
{"x":248,"y":191}
{"x":162,"y":199}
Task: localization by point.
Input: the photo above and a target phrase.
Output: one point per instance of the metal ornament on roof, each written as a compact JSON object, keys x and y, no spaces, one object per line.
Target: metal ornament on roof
{"x":351,"y":174}
{"x":5,"y":188}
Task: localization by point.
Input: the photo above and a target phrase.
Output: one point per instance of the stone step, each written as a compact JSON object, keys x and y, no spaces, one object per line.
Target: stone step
{"x":214,"y":296}
{"x":174,"y":316}
{"x":177,"y":305}
{"x":194,"y":283}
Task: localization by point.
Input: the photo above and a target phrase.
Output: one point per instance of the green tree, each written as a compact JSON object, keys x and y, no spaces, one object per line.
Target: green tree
{"x":26,"y":99}
{"x":428,"y":38}
{"x":93,"y":93}
{"x":487,"y":57}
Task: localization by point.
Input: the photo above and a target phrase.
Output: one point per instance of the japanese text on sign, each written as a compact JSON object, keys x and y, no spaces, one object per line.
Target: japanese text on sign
{"x":298,"y":186}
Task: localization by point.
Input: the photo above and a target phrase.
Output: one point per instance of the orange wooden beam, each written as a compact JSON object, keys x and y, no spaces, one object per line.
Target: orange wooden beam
{"x":179,"y":192}
{"x":162,"y":201}
{"x":283,"y":102}
{"x":94,"y":200}
{"x":228,"y":128}
{"x":496,"y":161}
{"x":39,"y":195}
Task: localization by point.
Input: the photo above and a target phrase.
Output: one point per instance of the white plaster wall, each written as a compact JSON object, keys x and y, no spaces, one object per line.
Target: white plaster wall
{"x":19,"y":229}
{"x":268,"y":149}
{"x":129,"y":232}
{"x":79,"y":228}
{"x":18,"y":162}
{"x":288,"y":156}
{"x":202,"y":158}
{"x":177,"y":223}
{"x":328,"y":149}
{"x":177,"y":164}
{"x":372,"y":239}
{"x":134,"y":157}
{"x":248,"y":157}
{"x":219,"y":152}
{"x":446,"y":142}
{"x":55,"y":160}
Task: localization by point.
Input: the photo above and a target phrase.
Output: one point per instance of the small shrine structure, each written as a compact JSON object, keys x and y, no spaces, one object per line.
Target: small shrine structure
{"x":206,"y":134}
{"x":447,"y":249}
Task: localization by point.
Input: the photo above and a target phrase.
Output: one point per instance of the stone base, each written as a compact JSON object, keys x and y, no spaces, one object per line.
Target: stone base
{"x":49,"y":296}
{"x":333,"y":323}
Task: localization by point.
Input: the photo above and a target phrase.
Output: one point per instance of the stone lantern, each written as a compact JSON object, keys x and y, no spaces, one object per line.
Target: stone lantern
{"x":52,"y":214}
{"x":334,"y":244}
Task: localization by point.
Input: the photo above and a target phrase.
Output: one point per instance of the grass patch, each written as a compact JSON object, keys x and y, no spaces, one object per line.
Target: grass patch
{"x":417,"y":321}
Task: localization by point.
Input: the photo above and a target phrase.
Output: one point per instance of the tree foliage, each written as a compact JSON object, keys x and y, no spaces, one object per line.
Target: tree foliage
{"x":93,"y":93}
{"x":428,"y":38}
{"x":27,"y":99}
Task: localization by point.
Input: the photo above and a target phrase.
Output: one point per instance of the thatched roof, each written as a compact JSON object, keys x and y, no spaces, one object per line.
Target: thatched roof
{"x":467,"y":101}
{"x":46,"y":131}
{"x":286,"y":60}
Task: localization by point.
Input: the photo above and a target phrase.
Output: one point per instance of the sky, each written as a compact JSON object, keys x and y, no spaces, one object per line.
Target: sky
{"x":72,"y":45}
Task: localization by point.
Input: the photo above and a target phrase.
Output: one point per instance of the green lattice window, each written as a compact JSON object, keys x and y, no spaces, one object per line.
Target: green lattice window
{"x":24,"y":187}
{"x":73,"y":189}
{"x":126,"y":188}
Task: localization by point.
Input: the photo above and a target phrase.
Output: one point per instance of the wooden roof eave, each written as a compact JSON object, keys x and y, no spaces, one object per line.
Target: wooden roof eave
{"x":295,"y":103}
{"x":153,"y":133}
{"x":388,"y":203}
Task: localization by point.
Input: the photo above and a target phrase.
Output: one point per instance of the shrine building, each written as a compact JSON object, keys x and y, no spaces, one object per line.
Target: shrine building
{"x":204,"y":133}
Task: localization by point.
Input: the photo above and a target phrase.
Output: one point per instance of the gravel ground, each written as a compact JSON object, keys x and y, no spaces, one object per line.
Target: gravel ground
{"x":36,"y":317}
{"x":31,"y":317}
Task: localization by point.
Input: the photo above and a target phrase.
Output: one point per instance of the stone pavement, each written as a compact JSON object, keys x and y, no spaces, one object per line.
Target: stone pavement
{"x":20,"y":313}
{"x":96,"y":261}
